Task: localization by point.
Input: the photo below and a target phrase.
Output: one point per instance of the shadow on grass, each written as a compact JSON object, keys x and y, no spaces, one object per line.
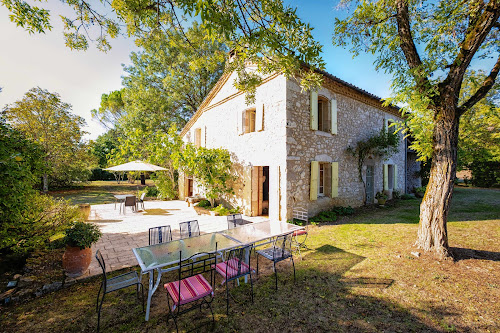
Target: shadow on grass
{"x":464,"y":254}
{"x":321,"y":300}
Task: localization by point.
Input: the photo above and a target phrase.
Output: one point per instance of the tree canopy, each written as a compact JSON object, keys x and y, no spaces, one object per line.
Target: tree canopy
{"x":48,"y":121}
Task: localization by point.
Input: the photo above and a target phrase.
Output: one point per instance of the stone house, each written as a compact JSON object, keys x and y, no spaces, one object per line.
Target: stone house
{"x":289,"y":148}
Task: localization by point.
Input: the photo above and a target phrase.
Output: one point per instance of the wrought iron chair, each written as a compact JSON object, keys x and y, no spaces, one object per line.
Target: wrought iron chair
{"x":299,"y":237}
{"x":191,"y":287}
{"x":141,"y":200}
{"x":189,"y":229}
{"x":281,"y":250}
{"x":162,"y":234}
{"x":130,"y":201}
{"x":115,"y":283}
{"x":237,"y":265}
{"x":234,"y":220}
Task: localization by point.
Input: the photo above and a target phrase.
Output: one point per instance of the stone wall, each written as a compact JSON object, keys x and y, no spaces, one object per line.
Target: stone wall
{"x":356,"y":121}
{"x":412,"y":168}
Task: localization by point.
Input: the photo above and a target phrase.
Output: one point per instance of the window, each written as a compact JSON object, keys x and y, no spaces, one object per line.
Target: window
{"x":390,"y":127}
{"x":324,"y":121}
{"x":197,"y":137}
{"x":390,"y":177}
{"x":321,"y":182}
{"x":249,"y":121}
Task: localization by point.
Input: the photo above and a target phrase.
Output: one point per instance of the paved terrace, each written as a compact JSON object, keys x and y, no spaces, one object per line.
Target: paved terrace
{"x":124,"y":231}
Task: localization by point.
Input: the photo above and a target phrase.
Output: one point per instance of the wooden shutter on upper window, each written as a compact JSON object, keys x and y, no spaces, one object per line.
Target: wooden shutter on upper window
{"x":314,"y":110}
{"x":386,"y":177}
{"x":333,"y":116}
{"x":335,"y":179}
{"x":313,"y":190}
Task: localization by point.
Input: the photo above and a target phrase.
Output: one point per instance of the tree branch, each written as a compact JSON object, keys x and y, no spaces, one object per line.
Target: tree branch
{"x":407,"y":44}
{"x":475,"y":36}
{"x":481,"y":92}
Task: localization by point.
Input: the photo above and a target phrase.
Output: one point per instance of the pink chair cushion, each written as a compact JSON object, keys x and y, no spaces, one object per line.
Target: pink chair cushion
{"x":192,"y":289}
{"x":300,"y":232}
{"x":231,"y":267}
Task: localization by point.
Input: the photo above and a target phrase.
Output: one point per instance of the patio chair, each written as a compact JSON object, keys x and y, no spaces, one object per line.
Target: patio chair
{"x":189,"y":229}
{"x":141,"y":200}
{"x":162,"y":234}
{"x":237,"y":265}
{"x":192,"y":288}
{"x":281,"y":250}
{"x":130,"y":201}
{"x":234,"y":220}
{"x":115,"y":283}
{"x":299,"y":237}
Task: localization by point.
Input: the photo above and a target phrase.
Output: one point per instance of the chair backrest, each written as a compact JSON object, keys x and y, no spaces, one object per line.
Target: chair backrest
{"x":189,"y":229}
{"x":234,"y":220}
{"x":301,"y":214}
{"x":238,"y":262}
{"x":143,"y":195}
{"x":282,"y":246}
{"x":162,"y":234}
{"x":100,"y":260}
{"x":130,"y":200}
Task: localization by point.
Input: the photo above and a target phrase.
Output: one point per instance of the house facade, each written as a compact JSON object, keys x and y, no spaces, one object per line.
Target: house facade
{"x":290,"y":147}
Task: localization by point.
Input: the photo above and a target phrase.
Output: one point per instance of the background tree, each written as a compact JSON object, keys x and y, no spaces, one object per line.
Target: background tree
{"x":428,"y":46}
{"x":48,"y":121}
{"x":111,"y":110}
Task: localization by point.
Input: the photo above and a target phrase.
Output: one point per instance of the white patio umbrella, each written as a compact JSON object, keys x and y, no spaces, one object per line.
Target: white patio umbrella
{"x":134,"y":166}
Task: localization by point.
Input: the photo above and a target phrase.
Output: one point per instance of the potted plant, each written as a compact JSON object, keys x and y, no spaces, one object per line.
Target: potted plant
{"x":79,"y":238}
{"x":381,"y":198}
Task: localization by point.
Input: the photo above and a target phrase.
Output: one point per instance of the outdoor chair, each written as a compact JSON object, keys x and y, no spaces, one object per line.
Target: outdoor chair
{"x":159,"y":235}
{"x":192,"y":290}
{"x":281,"y":250}
{"x":141,"y":200}
{"x":234,"y":220}
{"x":115,"y":283}
{"x":237,"y":265}
{"x":130,"y":201}
{"x":299,"y":237}
{"x":189,"y":229}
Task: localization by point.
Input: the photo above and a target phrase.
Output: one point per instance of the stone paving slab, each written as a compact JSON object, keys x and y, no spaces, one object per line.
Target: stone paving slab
{"x":124,"y":231}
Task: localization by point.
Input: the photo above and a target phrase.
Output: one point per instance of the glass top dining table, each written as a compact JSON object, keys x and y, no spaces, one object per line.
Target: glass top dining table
{"x":157,"y":257}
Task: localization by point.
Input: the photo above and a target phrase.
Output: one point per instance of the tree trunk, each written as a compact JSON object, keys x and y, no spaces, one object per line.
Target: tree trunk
{"x":45,"y":183}
{"x":432,"y":231}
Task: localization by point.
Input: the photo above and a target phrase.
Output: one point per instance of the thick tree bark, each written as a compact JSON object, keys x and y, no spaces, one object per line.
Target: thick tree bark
{"x":432,"y":231}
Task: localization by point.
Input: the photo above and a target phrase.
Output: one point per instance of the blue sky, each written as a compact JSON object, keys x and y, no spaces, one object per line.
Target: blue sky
{"x":80,"y":77}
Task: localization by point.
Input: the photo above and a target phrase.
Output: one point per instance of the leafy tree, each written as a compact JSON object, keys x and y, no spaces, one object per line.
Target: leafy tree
{"x":428,"y":46}
{"x":111,"y":110}
{"x":266,"y":32}
{"x":210,"y":166}
{"x":48,"y":121}
{"x":102,"y":147}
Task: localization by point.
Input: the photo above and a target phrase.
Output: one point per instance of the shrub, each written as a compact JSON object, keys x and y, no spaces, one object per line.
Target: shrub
{"x":381,"y":195}
{"x":485,"y":174}
{"x":342,"y":211}
{"x":100,"y":174}
{"x":236,"y":210}
{"x":152,"y":191}
{"x":221,"y":210}
{"x":407,"y":197}
{"x":396,"y":195}
{"x":204,"y":203}
{"x":326,"y":216}
{"x":82,"y":235}
{"x":420,"y":189}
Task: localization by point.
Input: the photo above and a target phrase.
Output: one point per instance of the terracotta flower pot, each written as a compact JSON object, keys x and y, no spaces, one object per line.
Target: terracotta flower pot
{"x":381,"y":201}
{"x":76,"y":261}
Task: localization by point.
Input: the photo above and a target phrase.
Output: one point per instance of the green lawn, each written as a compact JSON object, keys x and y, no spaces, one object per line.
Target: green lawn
{"x":99,"y":192}
{"x":358,"y":276}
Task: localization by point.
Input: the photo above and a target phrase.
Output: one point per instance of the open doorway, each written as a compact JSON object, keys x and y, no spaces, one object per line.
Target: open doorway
{"x":260,"y":190}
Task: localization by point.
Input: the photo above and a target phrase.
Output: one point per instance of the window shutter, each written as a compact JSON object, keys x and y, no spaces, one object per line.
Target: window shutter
{"x":335,"y":179}
{"x":314,"y":110}
{"x":313,"y":191}
{"x":386,"y":177}
{"x":334,"y":116}
{"x":395,"y":177}
{"x":259,"y":118}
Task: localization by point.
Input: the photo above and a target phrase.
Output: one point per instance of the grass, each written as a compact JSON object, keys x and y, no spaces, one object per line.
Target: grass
{"x":358,"y":276}
{"x":99,"y":192}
